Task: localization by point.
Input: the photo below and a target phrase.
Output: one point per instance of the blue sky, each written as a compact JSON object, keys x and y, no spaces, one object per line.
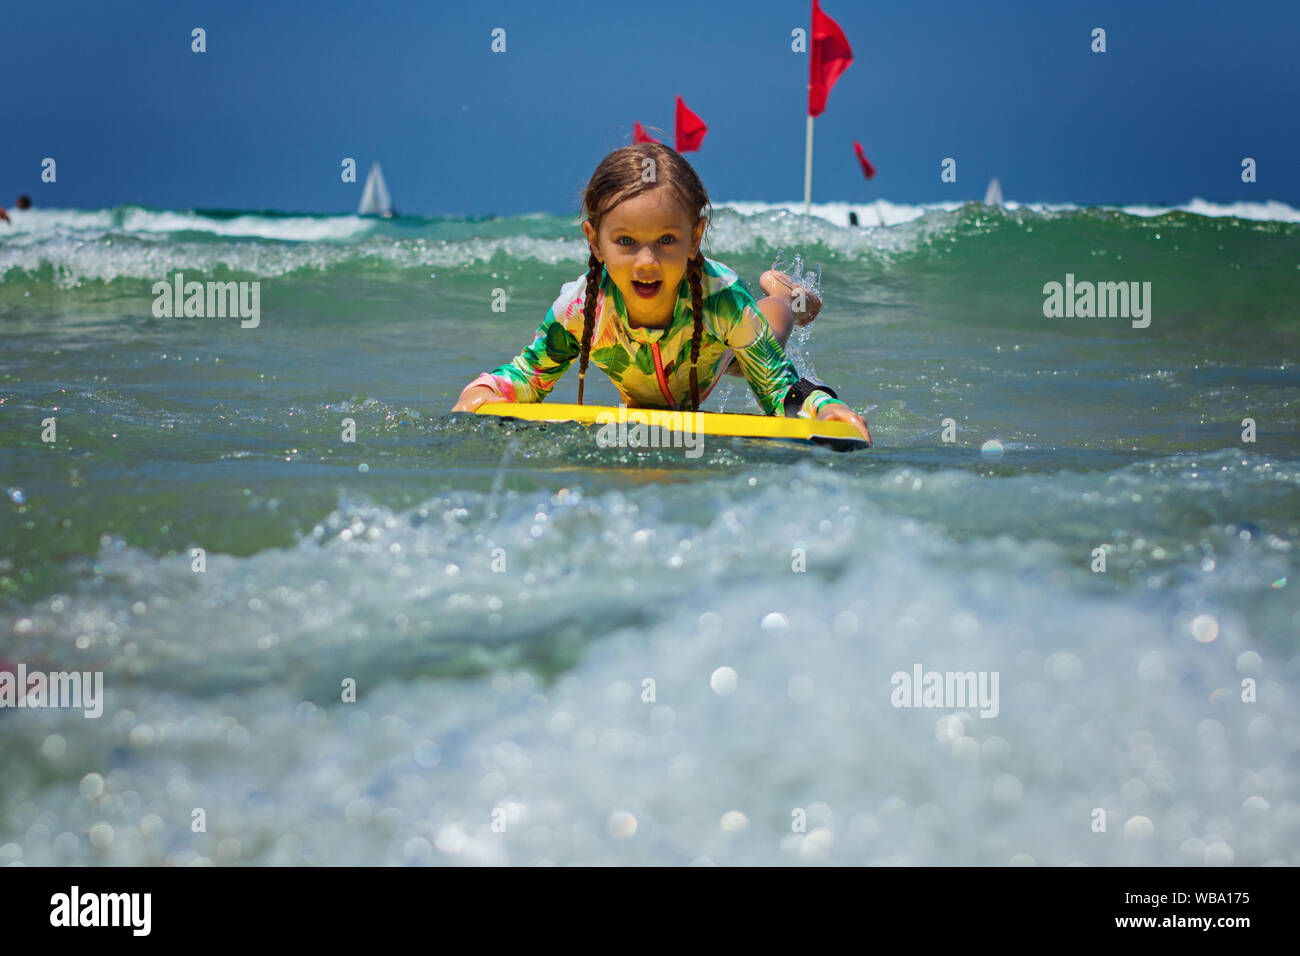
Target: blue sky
{"x":285,"y":90}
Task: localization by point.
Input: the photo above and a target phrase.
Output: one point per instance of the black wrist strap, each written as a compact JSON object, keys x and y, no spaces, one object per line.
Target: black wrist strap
{"x":800,"y":391}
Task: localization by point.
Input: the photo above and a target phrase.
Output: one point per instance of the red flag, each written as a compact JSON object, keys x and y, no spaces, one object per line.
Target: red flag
{"x":690,"y":128}
{"x":867,"y":169}
{"x":639,"y":135}
{"x":829,"y":58}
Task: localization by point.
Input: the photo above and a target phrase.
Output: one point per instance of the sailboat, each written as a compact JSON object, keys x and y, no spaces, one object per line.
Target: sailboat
{"x":375,"y":201}
{"x":993,"y":195}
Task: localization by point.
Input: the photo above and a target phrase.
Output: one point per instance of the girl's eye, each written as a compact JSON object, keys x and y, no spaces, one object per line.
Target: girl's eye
{"x":665,"y":239}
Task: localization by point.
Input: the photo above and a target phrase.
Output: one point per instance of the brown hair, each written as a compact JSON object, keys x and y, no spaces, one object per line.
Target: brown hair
{"x":619,"y":177}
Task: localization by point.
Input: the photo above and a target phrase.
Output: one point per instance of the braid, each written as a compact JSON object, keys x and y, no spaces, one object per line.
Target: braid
{"x":693,"y":270}
{"x":588,"y":319}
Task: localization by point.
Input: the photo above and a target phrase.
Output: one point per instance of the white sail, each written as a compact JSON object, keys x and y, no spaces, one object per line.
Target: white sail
{"x":993,"y":197}
{"x":375,"y":200}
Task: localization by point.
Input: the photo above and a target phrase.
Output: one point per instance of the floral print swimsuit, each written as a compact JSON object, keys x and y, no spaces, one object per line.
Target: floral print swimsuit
{"x":652,"y":367}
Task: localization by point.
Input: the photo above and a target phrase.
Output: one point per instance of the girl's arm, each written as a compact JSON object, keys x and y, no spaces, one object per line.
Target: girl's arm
{"x":770,"y":373}
{"x":531,"y":375}
{"x":475,"y":395}
{"x":766,"y":367}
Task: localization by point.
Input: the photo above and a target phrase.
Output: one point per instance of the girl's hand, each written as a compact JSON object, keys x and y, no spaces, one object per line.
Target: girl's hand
{"x":835,"y":412}
{"x":474,"y":396}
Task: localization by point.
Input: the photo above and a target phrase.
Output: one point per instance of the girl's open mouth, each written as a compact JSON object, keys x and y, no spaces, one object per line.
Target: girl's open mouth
{"x":647,"y":290}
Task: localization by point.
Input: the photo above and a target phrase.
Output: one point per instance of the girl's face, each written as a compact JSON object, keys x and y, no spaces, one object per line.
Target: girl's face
{"x":645,"y":242}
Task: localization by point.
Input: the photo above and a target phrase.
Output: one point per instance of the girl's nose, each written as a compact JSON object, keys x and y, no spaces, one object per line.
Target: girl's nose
{"x":646,"y":257}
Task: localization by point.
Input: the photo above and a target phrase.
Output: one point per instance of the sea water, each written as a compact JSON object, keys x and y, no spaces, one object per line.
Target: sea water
{"x":1050,"y":618}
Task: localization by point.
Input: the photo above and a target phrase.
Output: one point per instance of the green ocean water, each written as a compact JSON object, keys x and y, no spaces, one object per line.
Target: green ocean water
{"x":484,"y":686}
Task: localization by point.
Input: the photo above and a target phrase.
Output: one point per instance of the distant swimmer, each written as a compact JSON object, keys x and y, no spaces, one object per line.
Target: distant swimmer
{"x":24,"y":202}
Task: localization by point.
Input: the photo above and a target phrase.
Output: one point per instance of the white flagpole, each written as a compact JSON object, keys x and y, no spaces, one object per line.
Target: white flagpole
{"x":807,"y":172}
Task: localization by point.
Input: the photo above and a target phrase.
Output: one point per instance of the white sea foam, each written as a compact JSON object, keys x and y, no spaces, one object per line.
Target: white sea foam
{"x":75,"y":260}
{"x":229,"y":696}
{"x":883,"y":212}
{"x":43,"y":223}
{"x":303,"y":229}
{"x":143,"y":244}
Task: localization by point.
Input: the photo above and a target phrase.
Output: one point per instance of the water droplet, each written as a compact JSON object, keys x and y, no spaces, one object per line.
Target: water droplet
{"x":724,"y":681}
{"x":1205,"y":628}
{"x":621,"y":825}
{"x":733,"y":821}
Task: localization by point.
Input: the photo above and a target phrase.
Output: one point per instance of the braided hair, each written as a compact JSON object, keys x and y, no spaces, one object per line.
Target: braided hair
{"x":619,"y":177}
{"x":588,"y":319}
{"x":693,"y":270}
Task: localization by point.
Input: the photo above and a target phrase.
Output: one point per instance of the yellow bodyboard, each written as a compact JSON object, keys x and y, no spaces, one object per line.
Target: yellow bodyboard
{"x":838,"y":435}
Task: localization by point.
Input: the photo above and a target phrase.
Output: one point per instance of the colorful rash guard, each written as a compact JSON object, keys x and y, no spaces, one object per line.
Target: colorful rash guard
{"x":652,"y":367}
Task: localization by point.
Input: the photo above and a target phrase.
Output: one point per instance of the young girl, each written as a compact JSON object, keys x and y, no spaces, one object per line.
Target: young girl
{"x":655,"y":315}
